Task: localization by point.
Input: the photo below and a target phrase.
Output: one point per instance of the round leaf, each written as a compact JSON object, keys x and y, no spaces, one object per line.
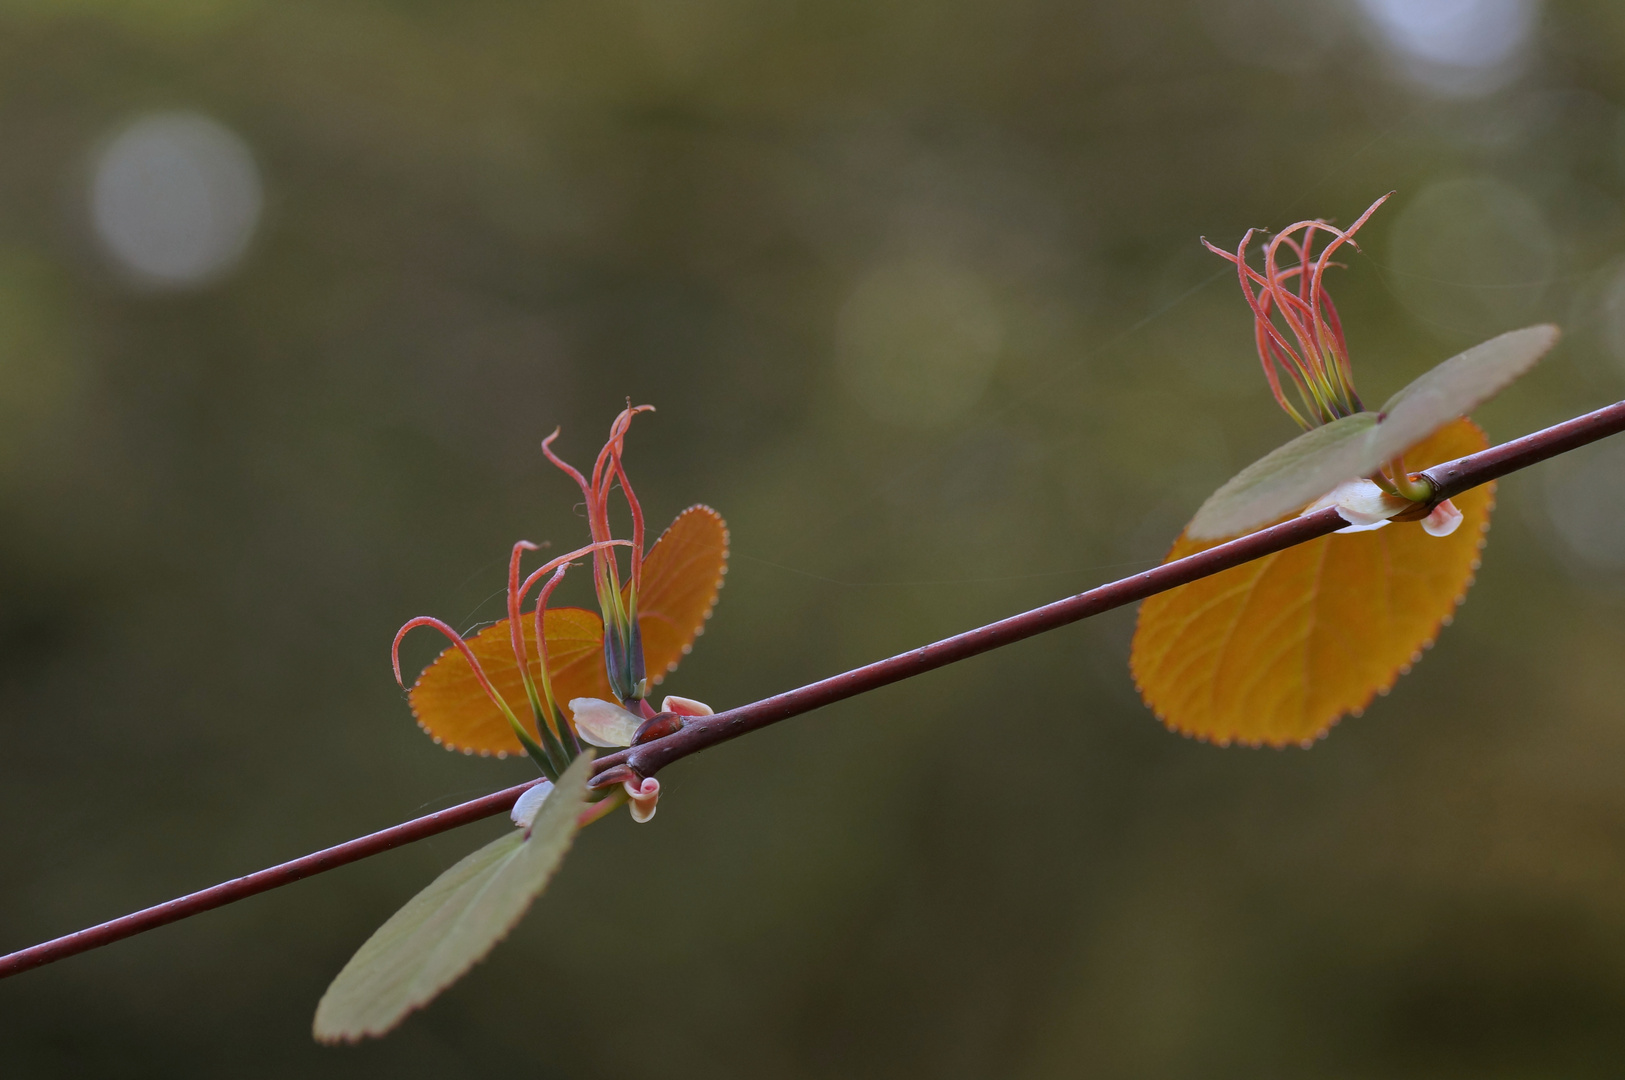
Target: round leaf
{"x":682,"y":575}
{"x":1457,"y":387}
{"x":1286,"y":478}
{"x":449,"y":926}
{"x":1356,"y":446}
{"x":1274,"y":651}
{"x":450,"y":705}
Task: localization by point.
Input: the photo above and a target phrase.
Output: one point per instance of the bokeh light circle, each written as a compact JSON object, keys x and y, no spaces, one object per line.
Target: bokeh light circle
{"x":175,"y":198}
{"x":1455,"y":47}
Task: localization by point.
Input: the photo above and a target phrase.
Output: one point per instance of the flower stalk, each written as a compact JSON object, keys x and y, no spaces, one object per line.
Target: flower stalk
{"x":623,"y":641}
{"x":1289,"y":297}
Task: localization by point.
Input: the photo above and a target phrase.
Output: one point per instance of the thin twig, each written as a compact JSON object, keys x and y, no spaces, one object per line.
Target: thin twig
{"x":1450,"y":478}
{"x":498,"y":802}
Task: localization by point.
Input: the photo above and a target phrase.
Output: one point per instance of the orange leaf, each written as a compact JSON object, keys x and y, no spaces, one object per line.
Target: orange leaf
{"x":1277,"y":650}
{"x":681,"y":576}
{"x":450,"y":705}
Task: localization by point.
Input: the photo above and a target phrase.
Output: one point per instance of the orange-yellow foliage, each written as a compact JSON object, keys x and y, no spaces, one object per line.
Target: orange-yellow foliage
{"x":681,"y":577}
{"x":1276,"y":651}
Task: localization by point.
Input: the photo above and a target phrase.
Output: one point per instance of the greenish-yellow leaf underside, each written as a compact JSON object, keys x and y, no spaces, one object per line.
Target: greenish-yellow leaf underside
{"x":1286,"y":478}
{"x":1293,"y":475}
{"x":449,"y":926}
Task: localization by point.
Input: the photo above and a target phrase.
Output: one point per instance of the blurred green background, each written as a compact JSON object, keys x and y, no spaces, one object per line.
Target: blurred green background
{"x":289,"y":294}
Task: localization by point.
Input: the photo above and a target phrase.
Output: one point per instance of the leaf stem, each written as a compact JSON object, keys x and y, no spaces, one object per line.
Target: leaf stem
{"x":1419,"y":490}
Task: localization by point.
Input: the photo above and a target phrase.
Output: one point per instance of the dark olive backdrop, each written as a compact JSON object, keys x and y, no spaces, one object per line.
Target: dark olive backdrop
{"x":917,"y":291}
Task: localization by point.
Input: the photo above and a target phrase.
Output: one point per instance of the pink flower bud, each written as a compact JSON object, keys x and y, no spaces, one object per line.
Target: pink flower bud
{"x":1443,"y":520}
{"x":644,"y":796}
{"x":683,"y":706}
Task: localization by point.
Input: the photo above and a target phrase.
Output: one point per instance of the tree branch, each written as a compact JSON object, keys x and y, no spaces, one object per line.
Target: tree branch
{"x":1450,"y":478}
{"x":498,"y":802}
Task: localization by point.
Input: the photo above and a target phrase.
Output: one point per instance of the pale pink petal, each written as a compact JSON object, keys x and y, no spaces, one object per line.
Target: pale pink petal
{"x":644,"y":796}
{"x":1443,"y":520}
{"x":683,"y":706}
{"x":529,"y":804}
{"x":603,"y":723}
{"x":1362,"y":504}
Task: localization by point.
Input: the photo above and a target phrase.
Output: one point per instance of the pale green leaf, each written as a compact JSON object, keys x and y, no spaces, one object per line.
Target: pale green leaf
{"x":449,"y":926}
{"x":1356,"y":446}
{"x":1287,"y":478}
{"x":1457,"y":387}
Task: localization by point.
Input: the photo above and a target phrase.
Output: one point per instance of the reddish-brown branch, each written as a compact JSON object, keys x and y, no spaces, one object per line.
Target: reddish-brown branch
{"x":1450,"y":478}
{"x":705,"y":731}
{"x":498,"y":802}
